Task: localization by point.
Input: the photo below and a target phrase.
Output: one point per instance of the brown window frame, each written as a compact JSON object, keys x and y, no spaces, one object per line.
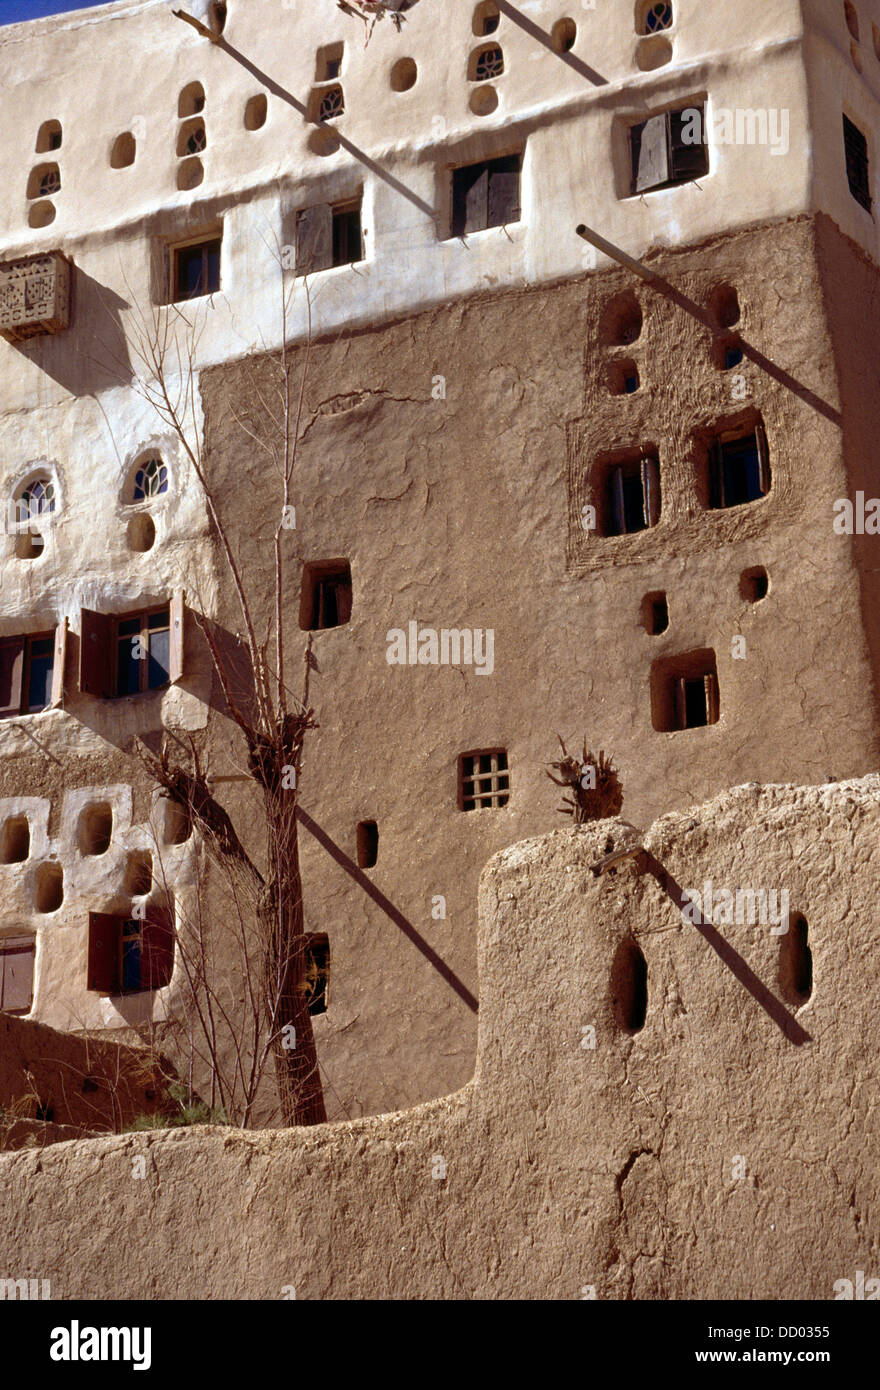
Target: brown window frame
{"x":108,"y":933}
{"x":205,"y":241}
{"x":471,"y":793}
{"x":23,"y":943}
{"x":98,"y":669}
{"x":21,"y":678}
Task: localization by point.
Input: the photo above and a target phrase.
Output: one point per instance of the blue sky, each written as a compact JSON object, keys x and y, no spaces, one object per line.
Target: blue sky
{"x":12,"y":11}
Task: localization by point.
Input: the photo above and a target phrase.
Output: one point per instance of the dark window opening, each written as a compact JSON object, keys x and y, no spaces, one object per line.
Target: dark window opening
{"x":326,"y":595}
{"x":623,"y":378}
{"x":621,"y":322}
{"x":483,"y":780}
{"x":316,"y":983}
{"x":669,"y":149}
{"x":347,"y":235}
{"x":733,"y":355}
{"x":796,"y":961}
{"x":857,"y":171}
{"x":17,"y":973}
{"x":655,"y":613}
{"x":486,"y":195}
{"x":196,"y":269}
{"x":486,"y":64}
{"x":329,"y":235}
{"x":684,"y":692}
{"x":631,"y":496}
{"x":131,"y":653}
{"x":754,"y":584}
{"x":128,"y":955}
{"x":15,"y":840}
{"x":143,"y":652}
{"x":739,"y":470}
{"x":367,"y":844}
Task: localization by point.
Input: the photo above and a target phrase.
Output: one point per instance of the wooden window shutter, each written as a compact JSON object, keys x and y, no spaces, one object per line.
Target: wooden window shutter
{"x":314,"y":239}
{"x":763,"y":459}
{"x":96,"y":653}
{"x":618,"y":508}
{"x":477,"y":201}
{"x":17,"y":974}
{"x":681,"y":703}
{"x":58,"y":662}
{"x":104,"y":941}
{"x":157,"y":951}
{"x":711,"y":686}
{"x":176,"y":642}
{"x":504,"y":183}
{"x":651,"y":491}
{"x":650,"y":153}
{"x":11,"y":669}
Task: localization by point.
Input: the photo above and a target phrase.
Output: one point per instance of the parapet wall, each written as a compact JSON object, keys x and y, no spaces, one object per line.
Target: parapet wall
{"x":722,"y":1149}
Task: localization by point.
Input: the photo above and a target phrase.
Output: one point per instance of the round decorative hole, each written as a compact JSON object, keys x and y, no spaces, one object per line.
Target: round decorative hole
{"x":563,"y":35}
{"x":255,"y":112}
{"x":653,"y":53}
{"x":141,"y":534}
{"x":403,"y":75}
{"x":122,"y":156}
{"x":41,"y":214}
{"x":190,"y":174}
{"x":483,"y":101}
{"x":323,"y":142}
{"x":29,"y":546}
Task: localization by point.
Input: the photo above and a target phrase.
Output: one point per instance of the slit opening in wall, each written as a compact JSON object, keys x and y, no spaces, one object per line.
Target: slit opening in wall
{"x":15,"y":840}
{"x":367,"y":844}
{"x":629,"y":986}
{"x":796,"y":961}
{"x":655,"y":613}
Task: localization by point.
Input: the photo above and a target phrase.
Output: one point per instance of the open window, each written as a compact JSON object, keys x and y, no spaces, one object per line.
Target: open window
{"x":328,"y":235}
{"x":326,"y":595}
{"x":17,"y":973}
{"x":630,"y":495}
{"x":131,"y":653}
{"x":194,"y":268}
{"x":486,"y":194}
{"x":317,"y":972}
{"x":32,"y":672}
{"x":855,"y":147}
{"x":669,"y":148}
{"x":128,"y":955}
{"x":739,"y":468}
{"x":684,"y":691}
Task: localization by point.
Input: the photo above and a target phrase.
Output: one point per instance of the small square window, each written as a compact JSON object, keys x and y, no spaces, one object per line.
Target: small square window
{"x":631,"y":500}
{"x":483,"y":780}
{"x":684,"y":692}
{"x":326,"y":595}
{"x":739,"y":469}
{"x":195,"y":269}
{"x":655,"y":613}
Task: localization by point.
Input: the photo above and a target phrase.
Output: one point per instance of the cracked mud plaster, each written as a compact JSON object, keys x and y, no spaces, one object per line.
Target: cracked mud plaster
{"x":709,"y":1154}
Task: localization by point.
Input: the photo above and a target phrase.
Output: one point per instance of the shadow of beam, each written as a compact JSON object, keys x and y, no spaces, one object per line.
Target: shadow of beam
{"x":772,"y":1006}
{"x":542,"y":37}
{"x":690,"y":306}
{"x":387,"y":907}
{"x":281,"y":92}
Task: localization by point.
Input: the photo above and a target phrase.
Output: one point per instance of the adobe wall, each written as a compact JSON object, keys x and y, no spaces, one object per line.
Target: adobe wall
{"x":464,"y":512}
{"x":723,"y":1150}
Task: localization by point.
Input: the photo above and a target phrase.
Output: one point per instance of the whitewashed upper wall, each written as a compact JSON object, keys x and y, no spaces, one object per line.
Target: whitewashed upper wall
{"x":121,"y":67}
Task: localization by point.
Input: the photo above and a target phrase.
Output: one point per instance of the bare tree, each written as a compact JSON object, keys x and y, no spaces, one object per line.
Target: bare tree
{"x":266,"y":917}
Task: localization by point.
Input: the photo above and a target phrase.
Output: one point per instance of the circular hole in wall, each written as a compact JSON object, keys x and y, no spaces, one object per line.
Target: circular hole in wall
{"x":255,"y":112}
{"x":15,"y":840}
{"x":96,"y":828}
{"x":621,"y":322}
{"x":28,"y":547}
{"x":190,"y":174}
{"x":122,"y":156}
{"x":41,"y":214}
{"x":754,"y":584}
{"x":563,"y":35}
{"x":653,"y":53}
{"x":141,"y":533}
{"x":323,"y":142}
{"x":49,"y":887}
{"x":403,"y":75}
{"x":483,"y":101}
